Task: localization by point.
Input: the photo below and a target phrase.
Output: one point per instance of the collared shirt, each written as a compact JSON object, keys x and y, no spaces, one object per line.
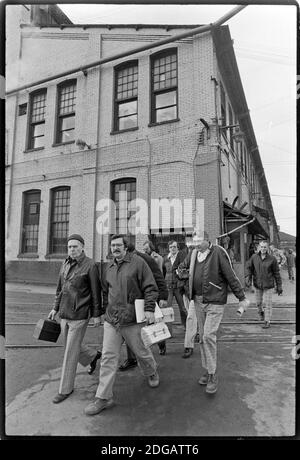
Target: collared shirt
{"x":202,"y":255}
{"x":172,"y":257}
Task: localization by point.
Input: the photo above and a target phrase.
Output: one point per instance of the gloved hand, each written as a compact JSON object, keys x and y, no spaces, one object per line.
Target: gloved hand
{"x":279,"y":291}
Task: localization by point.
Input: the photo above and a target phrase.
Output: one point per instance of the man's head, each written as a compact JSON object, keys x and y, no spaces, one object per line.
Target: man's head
{"x":263,"y":247}
{"x":201,"y":242}
{"x":118,"y":246}
{"x":75,"y":245}
{"x":290,"y":251}
{"x":148,"y":247}
{"x":173,"y":247}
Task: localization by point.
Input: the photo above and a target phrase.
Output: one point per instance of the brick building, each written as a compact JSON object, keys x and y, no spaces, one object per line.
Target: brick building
{"x":157,"y":123}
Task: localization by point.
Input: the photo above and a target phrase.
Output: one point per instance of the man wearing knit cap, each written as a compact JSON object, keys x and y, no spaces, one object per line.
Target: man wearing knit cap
{"x":78,"y":298}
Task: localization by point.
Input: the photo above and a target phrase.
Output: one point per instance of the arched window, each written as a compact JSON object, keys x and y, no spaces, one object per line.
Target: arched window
{"x":123,"y":191}
{"x":126,"y":96}
{"x":31,"y":218}
{"x":66,"y":102}
{"x":164,"y":86}
{"x":37,"y":112}
{"x":59,"y":220}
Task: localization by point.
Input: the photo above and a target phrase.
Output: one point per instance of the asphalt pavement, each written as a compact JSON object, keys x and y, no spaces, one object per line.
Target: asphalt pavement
{"x":256,"y":368}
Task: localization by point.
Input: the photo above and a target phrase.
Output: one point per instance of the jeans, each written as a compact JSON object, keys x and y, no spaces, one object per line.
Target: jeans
{"x":209,"y":317}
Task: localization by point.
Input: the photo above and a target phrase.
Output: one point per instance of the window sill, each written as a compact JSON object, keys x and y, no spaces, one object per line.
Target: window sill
{"x":164,"y":122}
{"x":124,"y":130}
{"x":29,"y":255}
{"x":63,"y":143}
{"x":56,"y":256}
{"x":33,"y":150}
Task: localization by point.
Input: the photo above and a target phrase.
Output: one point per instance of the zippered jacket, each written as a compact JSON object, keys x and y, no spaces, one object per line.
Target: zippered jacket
{"x":264,"y":272}
{"x":78,"y":292}
{"x":217,"y":275}
{"x":126,"y":281}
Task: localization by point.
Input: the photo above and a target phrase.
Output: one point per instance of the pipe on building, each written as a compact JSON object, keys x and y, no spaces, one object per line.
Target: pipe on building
{"x":164,"y":41}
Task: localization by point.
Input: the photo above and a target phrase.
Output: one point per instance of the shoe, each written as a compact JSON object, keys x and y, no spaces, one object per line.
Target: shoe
{"x":162,"y":348}
{"x":204,"y":379}
{"x":153,"y":380}
{"x":187,"y":352}
{"x":266,"y":325}
{"x":93,"y":363}
{"x":212,"y":383}
{"x":61,"y":397}
{"x":128,"y":364}
{"x":98,"y":405}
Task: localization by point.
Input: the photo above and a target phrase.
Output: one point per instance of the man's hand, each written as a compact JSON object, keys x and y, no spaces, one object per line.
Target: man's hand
{"x":163,"y":303}
{"x":149,"y":315}
{"x":279,"y":291}
{"x":248,"y":282}
{"x":97,"y":321}
{"x":52,"y":314}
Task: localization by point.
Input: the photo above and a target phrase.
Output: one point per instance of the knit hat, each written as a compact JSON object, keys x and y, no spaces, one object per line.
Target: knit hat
{"x":77,"y":237}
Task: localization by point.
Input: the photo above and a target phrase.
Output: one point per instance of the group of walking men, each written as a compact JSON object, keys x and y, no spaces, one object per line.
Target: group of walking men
{"x":202,"y":276}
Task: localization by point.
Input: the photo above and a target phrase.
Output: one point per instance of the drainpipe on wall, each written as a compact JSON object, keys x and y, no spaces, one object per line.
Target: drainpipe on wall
{"x":221,"y":214}
{"x":149,"y":184}
{"x":96,"y":172}
{"x":165,"y":41}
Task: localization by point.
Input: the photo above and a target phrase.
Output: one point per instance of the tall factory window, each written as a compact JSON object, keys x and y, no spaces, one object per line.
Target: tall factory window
{"x":59,"y":223}
{"x":37,"y":119}
{"x":164,"y":87}
{"x":126,"y":96}
{"x":123,"y":191}
{"x":65,"y":129}
{"x":31,"y":218}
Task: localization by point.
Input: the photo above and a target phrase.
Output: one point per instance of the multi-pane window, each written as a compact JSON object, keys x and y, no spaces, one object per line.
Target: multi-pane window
{"x":123,"y":192}
{"x":164,"y":106}
{"x":31,"y":217}
{"x":37,"y":119}
{"x":126,"y":97}
{"x":59,"y":225}
{"x":66,"y":112}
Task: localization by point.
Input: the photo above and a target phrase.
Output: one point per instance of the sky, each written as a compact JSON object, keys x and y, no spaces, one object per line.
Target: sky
{"x":265,"y":46}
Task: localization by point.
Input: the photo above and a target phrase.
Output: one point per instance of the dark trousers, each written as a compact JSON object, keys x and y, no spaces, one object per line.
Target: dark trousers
{"x":179,"y":299}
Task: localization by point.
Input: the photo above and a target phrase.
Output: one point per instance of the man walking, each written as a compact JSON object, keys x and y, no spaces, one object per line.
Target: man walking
{"x":128,"y":278}
{"x":290,"y":262}
{"x":78,"y":297}
{"x":263,"y":269}
{"x":210,"y":272}
{"x":149,"y":249}
{"x":174,"y":284}
{"x":162,"y":300}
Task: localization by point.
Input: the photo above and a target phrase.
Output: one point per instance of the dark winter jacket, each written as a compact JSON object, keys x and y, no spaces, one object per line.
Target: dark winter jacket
{"x":171,"y":276}
{"x":158,"y":276}
{"x":126,"y":281}
{"x":78,"y":292}
{"x":217,"y":275}
{"x":263,"y":272}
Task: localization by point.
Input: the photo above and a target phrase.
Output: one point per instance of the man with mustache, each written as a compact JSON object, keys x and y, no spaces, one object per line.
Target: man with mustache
{"x":127,"y":278}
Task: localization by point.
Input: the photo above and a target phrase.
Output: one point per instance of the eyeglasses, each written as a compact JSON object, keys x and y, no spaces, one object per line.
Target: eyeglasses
{"x":117,"y":245}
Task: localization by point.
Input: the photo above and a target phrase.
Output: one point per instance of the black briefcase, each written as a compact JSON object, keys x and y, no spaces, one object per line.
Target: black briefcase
{"x":47,"y":329}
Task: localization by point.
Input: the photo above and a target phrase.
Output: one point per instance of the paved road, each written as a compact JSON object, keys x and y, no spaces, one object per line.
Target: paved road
{"x":256,"y":370}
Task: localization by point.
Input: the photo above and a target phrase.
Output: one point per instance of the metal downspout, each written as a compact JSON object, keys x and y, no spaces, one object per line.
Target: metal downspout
{"x":165,"y":41}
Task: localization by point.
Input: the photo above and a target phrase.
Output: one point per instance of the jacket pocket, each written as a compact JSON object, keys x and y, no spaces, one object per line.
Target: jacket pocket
{"x":215,"y":285}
